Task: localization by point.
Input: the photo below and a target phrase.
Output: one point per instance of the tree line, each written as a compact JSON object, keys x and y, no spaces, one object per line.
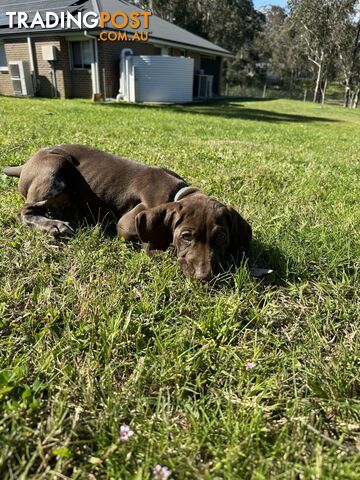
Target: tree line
{"x":309,"y":45}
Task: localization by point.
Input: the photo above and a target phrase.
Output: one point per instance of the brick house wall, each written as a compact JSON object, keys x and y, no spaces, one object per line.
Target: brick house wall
{"x":81,"y":84}
{"x":14,"y":50}
{"x":69,"y":83}
{"x":109,"y":63}
{"x":196,"y":57}
{"x":44,"y":71}
{"x":78,"y":82}
{"x":19,"y":50}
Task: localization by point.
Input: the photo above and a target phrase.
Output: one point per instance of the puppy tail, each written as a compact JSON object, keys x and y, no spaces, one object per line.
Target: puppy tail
{"x":13,"y":171}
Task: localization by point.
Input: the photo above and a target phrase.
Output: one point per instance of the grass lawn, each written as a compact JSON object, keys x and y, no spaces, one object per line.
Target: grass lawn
{"x":94,"y":335}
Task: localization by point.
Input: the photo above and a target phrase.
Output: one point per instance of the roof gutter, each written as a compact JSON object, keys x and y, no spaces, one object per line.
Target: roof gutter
{"x":190,"y":47}
{"x":152,"y":40}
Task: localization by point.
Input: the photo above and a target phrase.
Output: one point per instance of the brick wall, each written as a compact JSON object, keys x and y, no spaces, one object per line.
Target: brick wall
{"x":69,"y":83}
{"x":109,"y":62}
{"x":75,"y":83}
{"x":80,"y":80}
{"x":15,"y":50}
{"x":43,"y":68}
{"x":196,"y":56}
{"x":81,"y":84}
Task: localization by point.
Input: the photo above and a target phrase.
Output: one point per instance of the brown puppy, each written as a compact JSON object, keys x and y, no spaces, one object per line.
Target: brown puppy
{"x":153,"y":205}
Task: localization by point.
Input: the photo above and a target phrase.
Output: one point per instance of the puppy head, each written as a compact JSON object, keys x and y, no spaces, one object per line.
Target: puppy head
{"x":207,"y":235}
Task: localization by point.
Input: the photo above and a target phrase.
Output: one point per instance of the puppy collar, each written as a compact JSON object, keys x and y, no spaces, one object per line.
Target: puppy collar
{"x":181,"y":192}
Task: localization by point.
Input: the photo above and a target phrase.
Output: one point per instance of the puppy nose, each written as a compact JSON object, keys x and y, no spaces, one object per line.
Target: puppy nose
{"x":204,"y":276}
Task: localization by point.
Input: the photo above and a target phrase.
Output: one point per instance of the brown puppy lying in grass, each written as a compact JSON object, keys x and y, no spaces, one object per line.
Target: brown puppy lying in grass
{"x":151,"y":204}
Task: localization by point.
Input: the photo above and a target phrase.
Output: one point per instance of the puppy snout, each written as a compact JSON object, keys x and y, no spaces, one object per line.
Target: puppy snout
{"x":203,"y":274}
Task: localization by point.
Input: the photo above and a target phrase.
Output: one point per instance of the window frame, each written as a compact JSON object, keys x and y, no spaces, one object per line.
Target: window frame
{"x":81,"y":42}
{"x":3,"y":67}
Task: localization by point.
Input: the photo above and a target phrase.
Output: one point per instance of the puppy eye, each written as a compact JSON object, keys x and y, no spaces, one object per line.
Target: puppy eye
{"x":220,"y":236}
{"x":186,"y":236}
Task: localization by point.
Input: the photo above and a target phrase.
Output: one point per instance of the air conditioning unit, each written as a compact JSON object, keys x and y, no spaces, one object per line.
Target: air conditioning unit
{"x":203,"y":85}
{"x":21,"y":79}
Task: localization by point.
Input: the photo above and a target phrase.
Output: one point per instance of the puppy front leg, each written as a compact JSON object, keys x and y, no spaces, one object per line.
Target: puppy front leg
{"x":33,"y":214}
{"x":126,"y":228}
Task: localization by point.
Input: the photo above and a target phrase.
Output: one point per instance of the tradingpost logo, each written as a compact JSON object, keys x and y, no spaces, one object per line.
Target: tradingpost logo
{"x":111,"y":24}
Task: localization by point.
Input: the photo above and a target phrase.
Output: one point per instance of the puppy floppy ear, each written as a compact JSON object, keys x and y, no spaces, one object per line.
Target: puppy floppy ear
{"x":154,"y":226}
{"x":240,"y":235}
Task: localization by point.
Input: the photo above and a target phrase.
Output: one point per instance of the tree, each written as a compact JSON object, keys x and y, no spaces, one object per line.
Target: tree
{"x":323,"y":30}
{"x":233,"y":24}
{"x":280,"y":50}
{"x":311,"y":19}
{"x":346,"y":33}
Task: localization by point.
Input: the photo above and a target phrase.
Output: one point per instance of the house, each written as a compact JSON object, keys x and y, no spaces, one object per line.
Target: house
{"x":74,"y":62}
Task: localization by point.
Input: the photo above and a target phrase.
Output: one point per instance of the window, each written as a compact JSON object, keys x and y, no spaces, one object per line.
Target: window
{"x":3,"y":61}
{"x":178,"y":52}
{"x":81,"y":54}
{"x":161,"y":50}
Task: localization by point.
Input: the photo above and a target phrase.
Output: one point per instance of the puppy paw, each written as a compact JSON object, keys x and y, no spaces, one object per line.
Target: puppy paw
{"x":58,"y":228}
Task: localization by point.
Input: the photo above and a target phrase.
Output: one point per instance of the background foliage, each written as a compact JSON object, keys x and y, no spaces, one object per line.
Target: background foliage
{"x":307,"y":46}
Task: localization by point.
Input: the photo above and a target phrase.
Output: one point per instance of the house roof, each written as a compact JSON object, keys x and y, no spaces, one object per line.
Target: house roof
{"x":32,"y":6}
{"x":160,"y":30}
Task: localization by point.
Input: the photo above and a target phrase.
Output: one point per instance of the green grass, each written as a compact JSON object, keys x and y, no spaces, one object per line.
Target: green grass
{"x":94,"y":335}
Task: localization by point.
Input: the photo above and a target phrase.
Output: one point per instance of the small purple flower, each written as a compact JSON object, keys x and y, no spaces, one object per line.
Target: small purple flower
{"x":161,"y":473}
{"x":250,"y":365}
{"x":125,"y":433}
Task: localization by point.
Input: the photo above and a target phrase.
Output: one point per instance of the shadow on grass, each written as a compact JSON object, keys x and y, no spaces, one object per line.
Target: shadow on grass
{"x":270,"y":257}
{"x":261,"y":255}
{"x":226,"y":109}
